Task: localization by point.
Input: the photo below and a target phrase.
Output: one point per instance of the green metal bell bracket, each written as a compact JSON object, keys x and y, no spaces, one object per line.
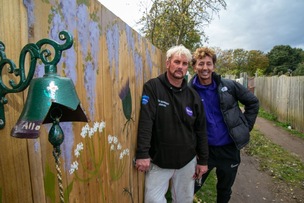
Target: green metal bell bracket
{"x":36,"y":51}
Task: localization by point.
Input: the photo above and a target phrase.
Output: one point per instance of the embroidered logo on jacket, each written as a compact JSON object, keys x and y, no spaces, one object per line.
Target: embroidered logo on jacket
{"x":145,"y":99}
{"x":224,"y":89}
{"x":189,"y":111}
{"x":163,"y":103}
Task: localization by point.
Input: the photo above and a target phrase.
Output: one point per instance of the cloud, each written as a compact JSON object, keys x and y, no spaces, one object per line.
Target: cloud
{"x":258,"y":25}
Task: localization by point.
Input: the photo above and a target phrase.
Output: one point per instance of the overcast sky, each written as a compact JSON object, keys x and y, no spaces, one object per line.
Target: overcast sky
{"x":246,"y":24}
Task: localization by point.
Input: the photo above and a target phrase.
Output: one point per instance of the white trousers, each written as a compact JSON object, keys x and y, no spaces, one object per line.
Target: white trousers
{"x":182,"y":184}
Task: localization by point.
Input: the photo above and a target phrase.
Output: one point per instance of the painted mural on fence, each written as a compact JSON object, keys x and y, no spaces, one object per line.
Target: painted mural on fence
{"x":78,"y":18}
{"x":91,"y":168}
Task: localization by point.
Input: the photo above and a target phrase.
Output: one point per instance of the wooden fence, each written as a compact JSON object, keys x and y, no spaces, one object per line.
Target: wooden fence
{"x":108,"y":63}
{"x":284,"y":97}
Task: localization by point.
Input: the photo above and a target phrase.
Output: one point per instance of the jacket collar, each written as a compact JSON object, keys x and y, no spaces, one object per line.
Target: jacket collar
{"x":216,"y":77}
{"x":164,"y":80}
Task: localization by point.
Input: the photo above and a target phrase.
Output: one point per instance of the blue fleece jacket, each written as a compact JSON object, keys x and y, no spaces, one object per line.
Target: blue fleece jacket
{"x":217,"y":130}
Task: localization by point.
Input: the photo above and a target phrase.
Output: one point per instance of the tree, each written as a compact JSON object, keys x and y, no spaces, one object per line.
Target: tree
{"x":234,"y":62}
{"x":299,"y":70}
{"x":240,"y":60}
{"x":257,"y":61}
{"x":283,"y":59}
{"x":173,"y":22}
{"x":224,"y":63}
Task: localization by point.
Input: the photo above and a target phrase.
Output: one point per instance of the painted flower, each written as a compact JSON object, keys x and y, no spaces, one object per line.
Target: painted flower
{"x":119,"y":147}
{"x":79,"y":147}
{"x":125,"y":152}
{"x":91,"y":132}
{"x":74,"y":167}
{"x":112,"y":148}
{"x":102,"y":125}
{"x":110,"y":139}
{"x":95,"y":126}
{"x":84,"y":130}
{"x":115,"y":140}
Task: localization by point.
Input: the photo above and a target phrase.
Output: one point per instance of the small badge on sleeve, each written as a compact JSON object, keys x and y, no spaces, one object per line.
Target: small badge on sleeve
{"x":145,"y":99}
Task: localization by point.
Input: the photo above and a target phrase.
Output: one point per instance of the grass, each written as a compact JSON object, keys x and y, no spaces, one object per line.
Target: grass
{"x":207,"y":193}
{"x":268,"y":116}
{"x":276,"y":161}
{"x":272,"y":117}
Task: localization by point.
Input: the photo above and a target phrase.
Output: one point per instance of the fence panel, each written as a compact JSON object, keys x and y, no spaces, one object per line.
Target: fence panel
{"x":108,"y":63}
{"x":283,"y":96}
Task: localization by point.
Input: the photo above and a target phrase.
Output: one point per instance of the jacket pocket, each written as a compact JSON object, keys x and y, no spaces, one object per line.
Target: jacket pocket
{"x":240,"y":135}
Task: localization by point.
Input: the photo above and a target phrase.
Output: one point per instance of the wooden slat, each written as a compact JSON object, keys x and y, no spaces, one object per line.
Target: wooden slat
{"x":15,"y":180}
{"x":28,"y":172}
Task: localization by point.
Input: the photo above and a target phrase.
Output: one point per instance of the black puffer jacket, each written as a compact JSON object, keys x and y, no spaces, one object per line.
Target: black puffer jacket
{"x":239,"y":123}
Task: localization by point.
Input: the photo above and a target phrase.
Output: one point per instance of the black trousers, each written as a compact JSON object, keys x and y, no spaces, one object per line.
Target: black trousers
{"x":226,"y":160}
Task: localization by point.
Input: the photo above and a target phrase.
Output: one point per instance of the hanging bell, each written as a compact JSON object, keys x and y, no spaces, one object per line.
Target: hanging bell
{"x":45,"y":96}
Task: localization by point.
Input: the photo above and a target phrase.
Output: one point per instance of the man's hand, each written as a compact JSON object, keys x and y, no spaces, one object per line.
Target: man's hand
{"x":199,"y":171}
{"x":143,"y":165}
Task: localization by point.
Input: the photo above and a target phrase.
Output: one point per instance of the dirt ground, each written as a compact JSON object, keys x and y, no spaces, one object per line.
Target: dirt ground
{"x":254,"y":186}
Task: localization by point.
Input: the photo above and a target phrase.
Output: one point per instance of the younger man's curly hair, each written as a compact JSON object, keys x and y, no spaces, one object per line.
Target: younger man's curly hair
{"x":201,"y":53}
